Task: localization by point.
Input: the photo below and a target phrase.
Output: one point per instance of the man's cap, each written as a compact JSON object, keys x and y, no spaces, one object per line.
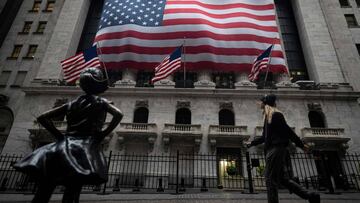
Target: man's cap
{"x":269,"y":99}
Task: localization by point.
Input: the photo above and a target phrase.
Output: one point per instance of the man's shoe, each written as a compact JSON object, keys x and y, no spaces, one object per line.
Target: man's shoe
{"x":314,"y":198}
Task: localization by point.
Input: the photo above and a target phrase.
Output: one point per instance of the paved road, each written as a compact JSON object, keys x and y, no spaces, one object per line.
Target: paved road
{"x":223,"y":197}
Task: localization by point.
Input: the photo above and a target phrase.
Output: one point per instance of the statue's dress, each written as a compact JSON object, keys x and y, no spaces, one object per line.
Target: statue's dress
{"x":78,"y":157}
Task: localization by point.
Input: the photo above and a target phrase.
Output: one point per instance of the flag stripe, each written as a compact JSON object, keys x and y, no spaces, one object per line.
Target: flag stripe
{"x":220,"y":16}
{"x":223,"y":5}
{"x":189,"y":50}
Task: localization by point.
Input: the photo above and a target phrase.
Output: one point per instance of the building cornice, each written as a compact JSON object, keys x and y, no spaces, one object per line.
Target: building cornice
{"x":333,"y":94}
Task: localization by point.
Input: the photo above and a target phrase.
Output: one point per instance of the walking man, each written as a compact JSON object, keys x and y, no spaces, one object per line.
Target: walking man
{"x":276,"y":136}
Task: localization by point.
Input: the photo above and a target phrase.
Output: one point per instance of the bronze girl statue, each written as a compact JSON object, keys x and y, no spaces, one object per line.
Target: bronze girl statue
{"x":76,"y":157}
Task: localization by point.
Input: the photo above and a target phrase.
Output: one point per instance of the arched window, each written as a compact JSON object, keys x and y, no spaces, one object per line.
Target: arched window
{"x":317,"y":119}
{"x":183,"y":116}
{"x":6,"y":121}
{"x":141,"y":115}
{"x":226,"y":117}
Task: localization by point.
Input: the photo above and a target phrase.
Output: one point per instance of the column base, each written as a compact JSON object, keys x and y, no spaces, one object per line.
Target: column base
{"x":287,"y":85}
{"x":204,"y":84}
{"x":127,"y":83}
{"x":164,"y":84}
{"x":245,"y":85}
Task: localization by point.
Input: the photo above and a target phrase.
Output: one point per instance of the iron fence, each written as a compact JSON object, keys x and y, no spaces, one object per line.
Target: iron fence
{"x":180,"y":172}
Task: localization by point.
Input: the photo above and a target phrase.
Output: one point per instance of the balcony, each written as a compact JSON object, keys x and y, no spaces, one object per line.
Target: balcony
{"x":325,"y":138}
{"x":128,"y":131}
{"x":182,"y":131}
{"x":227,"y":133}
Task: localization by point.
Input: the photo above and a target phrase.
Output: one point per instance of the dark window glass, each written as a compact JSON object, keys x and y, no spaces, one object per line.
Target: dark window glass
{"x":357,"y":3}
{"x":141,"y":115}
{"x":316,"y":119}
{"x":226,"y":117}
{"x":31,"y":52}
{"x":41,"y":27}
{"x":36,"y":6}
{"x":27,"y":27}
{"x":290,"y":36}
{"x":344,"y":3}
{"x":224,"y":80}
{"x":50,"y":6}
{"x":16,"y":51}
{"x":183,"y":116}
{"x":351,"y":20}
{"x":143,"y":79}
{"x":189,"y":80}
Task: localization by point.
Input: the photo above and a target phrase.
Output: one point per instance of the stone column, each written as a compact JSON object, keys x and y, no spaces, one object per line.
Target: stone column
{"x":319,"y":51}
{"x":242,"y":81}
{"x":165,"y":83}
{"x":204,"y":81}
{"x":64,"y":40}
{"x":344,"y":40}
{"x":128,"y":78}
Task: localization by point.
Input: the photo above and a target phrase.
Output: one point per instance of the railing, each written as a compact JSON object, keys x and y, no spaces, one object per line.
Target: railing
{"x":322,"y":132}
{"x":138,"y":127}
{"x":181,"y":172}
{"x":227,"y":130}
{"x":182,"y":129}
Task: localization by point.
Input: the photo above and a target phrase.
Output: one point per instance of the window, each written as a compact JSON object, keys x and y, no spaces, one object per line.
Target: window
{"x":31,"y":52}
{"x":188,"y":83}
{"x":316,"y":119}
{"x":226,"y":117}
{"x":27,"y":27}
{"x":36,"y":7}
{"x":4,"y":77}
{"x":20,"y":78}
{"x":143,"y":79}
{"x":41,"y":27}
{"x":183,"y":116}
{"x":358,"y":48}
{"x":358,"y":3}
{"x":50,"y":6}
{"x":16,"y":52}
{"x":141,"y":115}
{"x":351,"y":20}
{"x":224,"y":80}
{"x":344,"y":3}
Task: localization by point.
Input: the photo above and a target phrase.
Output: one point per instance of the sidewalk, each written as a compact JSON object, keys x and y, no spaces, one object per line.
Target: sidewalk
{"x":219,"y":197}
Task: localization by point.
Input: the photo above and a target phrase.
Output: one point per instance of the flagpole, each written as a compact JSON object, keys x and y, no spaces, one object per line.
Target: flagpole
{"x":184,"y":62}
{"x":268,"y":65}
{"x":106,"y":73}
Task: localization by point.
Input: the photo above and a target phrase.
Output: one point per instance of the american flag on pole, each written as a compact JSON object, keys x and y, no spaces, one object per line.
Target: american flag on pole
{"x":169,"y":65}
{"x":260,"y":63}
{"x":73,"y":66}
{"x":221,"y":35}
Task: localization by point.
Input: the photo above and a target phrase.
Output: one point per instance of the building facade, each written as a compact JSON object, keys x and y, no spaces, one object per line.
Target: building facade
{"x":208,"y":113}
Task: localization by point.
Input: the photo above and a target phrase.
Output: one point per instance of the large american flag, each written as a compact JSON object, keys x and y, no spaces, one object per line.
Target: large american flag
{"x":220,"y":34}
